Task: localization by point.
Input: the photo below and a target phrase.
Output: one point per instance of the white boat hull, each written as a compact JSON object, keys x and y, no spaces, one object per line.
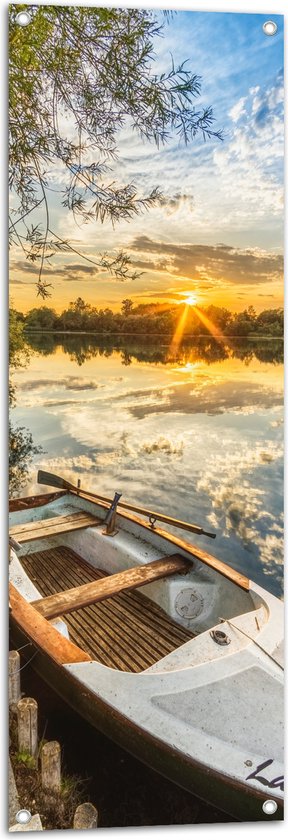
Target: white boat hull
{"x":206,"y":715}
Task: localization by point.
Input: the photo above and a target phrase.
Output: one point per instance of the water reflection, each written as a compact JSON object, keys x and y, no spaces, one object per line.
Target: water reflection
{"x":83,"y":347}
{"x":197,"y":434}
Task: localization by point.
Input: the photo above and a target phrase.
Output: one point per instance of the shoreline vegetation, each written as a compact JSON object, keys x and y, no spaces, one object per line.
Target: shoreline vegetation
{"x":155,"y":320}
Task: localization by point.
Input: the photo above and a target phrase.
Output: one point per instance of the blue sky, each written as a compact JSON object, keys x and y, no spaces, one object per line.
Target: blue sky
{"x":215,"y":194}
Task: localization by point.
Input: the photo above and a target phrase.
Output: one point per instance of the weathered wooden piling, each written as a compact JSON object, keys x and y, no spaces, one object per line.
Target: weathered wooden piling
{"x":51,"y":766}
{"x":14,"y":679}
{"x":86,"y":816}
{"x":27,"y":713}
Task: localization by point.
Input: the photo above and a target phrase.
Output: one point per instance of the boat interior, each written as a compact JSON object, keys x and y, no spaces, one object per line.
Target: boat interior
{"x":92,"y":582}
{"x":127,"y":631}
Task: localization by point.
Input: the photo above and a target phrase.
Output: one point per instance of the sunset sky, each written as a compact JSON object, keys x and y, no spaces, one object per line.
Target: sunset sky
{"x":217,"y":234}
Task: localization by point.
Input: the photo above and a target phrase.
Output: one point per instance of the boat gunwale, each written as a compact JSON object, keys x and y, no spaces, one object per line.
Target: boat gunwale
{"x":26,"y":502}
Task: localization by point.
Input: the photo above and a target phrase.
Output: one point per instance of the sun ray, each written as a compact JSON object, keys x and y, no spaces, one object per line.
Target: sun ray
{"x":178,"y":334}
{"x":214,"y":330}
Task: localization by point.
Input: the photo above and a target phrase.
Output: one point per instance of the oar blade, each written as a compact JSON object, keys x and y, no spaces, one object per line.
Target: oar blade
{"x":53,"y":480}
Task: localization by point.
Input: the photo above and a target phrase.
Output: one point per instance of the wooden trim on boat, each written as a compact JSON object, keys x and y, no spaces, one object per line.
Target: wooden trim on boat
{"x":99,"y":590}
{"x":34,"y":501}
{"x":41,"y":633}
{"x":198,"y":553}
{"x":56,"y":525}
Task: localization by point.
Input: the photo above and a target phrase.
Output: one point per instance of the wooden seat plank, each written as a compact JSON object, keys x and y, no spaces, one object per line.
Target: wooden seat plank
{"x":128,"y":632}
{"x":91,"y":593}
{"x":56,"y":525}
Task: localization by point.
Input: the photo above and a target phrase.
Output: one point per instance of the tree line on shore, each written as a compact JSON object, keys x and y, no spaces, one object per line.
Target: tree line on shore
{"x":152,"y":319}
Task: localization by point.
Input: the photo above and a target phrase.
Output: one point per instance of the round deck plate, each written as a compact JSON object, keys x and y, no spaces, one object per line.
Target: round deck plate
{"x":189,"y":604}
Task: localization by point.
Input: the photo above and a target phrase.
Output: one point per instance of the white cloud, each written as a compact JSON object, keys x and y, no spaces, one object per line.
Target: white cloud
{"x":238,"y":109}
{"x":250,"y":163}
{"x":239,"y":503}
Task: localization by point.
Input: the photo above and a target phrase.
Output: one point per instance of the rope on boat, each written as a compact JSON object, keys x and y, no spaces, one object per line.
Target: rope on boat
{"x":28,"y":644}
{"x":26,"y":663}
{"x":252,"y":640}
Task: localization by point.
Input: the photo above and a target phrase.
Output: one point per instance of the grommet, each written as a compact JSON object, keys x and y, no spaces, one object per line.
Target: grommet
{"x":269,"y":807}
{"x":270,"y":27}
{"x":23,"y":18}
{"x":23,"y":816}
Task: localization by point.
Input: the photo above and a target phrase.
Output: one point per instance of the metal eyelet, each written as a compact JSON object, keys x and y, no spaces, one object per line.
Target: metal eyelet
{"x":219,"y":637}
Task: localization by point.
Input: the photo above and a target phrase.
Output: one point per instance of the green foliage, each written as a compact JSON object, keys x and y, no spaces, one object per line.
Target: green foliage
{"x":90,"y":69}
{"x":21,"y":453}
{"x":149,"y":319}
{"x":21,"y":446}
{"x":18,"y":350}
{"x":41,"y":318}
{"x":27,"y":759}
{"x":271,"y":321}
{"x":127,"y":306}
{"x":69,"y":785}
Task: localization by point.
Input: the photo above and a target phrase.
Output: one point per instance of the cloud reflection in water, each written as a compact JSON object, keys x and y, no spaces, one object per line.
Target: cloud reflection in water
{"x":202,"y":441}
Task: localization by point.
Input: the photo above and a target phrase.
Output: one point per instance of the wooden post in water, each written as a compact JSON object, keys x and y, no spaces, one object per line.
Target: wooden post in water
{"x":14,"y":678}
{"x":51,"y":766}
{"x":27,"y":712}
{"x":86,"y":816}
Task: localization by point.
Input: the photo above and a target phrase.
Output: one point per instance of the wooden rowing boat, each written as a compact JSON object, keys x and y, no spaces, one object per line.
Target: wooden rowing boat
{"x":163,"y":647}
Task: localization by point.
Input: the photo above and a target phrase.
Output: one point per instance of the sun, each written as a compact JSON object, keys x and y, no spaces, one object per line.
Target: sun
{"x":191,"y":300}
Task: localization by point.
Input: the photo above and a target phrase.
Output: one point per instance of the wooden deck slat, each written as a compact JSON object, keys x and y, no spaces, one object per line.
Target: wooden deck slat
{"x":131,"y":604}
{"x":129,"y":610}
{"x":56,"y":525}
{"x":124,"y":604}
{"x":82,"y":630}
{"x":143,"y":646}
{"x":105,"y":634}
{"x":142,"y":630}
{"x":90,"y":593}
{"x":113,"y":647}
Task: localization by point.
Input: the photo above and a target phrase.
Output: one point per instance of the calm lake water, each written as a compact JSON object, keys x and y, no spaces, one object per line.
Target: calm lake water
{"x":196,"y":432}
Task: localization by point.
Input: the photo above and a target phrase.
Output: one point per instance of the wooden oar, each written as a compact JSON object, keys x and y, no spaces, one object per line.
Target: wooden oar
{"x":56,"y":481}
